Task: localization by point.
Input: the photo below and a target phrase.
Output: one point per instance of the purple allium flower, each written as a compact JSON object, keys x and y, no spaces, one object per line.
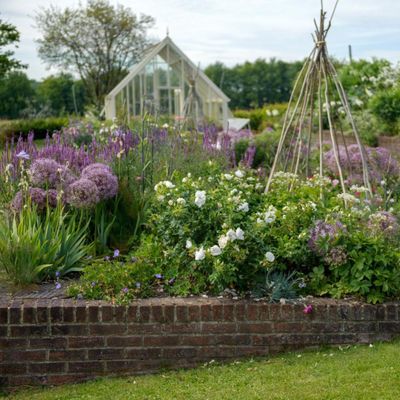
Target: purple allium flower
{"x":125,"y":290}
{"x":158,"y":276}
{"x":58,"y":285}
{"x":324,"y":232}
{"x":36,"y":195}
{"x":116,"y":253}
{"x":57,"y":274}
{"x":44,"y":171}
{"x":106,"y":182}
{"x":82,"y":194}
{"x":308,"y":309}
{"x":23,"y":155}
{"x":96,"y":166}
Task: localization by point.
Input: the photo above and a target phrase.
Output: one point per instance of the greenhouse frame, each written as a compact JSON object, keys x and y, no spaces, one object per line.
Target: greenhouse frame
{"x":164,"y":81}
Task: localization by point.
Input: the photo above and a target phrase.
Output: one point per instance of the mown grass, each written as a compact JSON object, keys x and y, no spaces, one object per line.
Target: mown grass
{"x":356,"y":372}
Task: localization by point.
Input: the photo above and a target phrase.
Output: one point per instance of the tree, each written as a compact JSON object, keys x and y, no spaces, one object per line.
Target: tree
{"x":99,"y":41}
{"x":62,"y":94}
{"x":16,"y":94}
{"x":8,"y":36}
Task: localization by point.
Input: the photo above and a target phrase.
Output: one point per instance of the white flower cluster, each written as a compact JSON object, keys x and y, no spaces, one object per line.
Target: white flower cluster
{"x":268,"y":217}
{"x":167,"y":184}
{"x":359,"y":189}
{"x":200,"y":198}
{"x":347,"y":197}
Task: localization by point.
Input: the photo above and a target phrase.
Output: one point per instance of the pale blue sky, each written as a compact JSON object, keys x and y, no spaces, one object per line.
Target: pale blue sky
{"x":233,"y":31}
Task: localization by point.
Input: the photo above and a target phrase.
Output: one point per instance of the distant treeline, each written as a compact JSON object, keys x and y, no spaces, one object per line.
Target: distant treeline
{"x":56,"y":95}
{"x":254,"y":84}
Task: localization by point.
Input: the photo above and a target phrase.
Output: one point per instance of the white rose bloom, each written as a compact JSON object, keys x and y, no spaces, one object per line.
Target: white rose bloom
{"x":189,"y":244}
{"x":269,"y":256}
{"x":223,"y":241}
{"x":244,"y":207}
{"x":169,"y":184}
{"x":260,"y":221}
{"x":239,"y":234}
{"x":239,"y":173}
{"x":200,"y":254}
{"x":184,"y":180}
{"x":215,"y":251}
{"x":228,"y":177}
{"x":231,"y":234}
{"x":170,"y":203}
{"x":181,"y":200}
{"x":160,"y":198}
{"x":200,"y":198}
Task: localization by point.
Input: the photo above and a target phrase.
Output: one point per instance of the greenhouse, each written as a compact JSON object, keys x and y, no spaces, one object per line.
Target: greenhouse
{"x":166,"y":82}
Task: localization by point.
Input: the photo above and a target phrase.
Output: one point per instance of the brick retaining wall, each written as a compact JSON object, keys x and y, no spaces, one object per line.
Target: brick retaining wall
{"x":50,"y":342}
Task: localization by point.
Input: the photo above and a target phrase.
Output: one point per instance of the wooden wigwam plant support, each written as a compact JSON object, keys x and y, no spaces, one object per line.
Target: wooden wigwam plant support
{"x":309,"y":106}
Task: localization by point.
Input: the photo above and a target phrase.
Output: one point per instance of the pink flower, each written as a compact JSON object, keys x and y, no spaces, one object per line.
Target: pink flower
{"x":308,"y":309}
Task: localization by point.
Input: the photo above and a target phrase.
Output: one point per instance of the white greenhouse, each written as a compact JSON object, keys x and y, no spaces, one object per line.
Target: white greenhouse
{"x":166,"y":81}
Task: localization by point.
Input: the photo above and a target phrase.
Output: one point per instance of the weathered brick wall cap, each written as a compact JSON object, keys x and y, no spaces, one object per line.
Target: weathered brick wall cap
{"x":58,"y":341}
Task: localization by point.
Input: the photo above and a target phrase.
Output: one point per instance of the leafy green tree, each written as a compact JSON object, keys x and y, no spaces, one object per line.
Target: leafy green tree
{"x":254,"y":84}
{"x":16,"y":94}
{"x":62,"y":94}
{"x":98,"y":41}
{"x":8,"y":36}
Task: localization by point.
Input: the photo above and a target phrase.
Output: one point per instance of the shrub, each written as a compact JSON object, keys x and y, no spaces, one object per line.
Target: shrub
{"x":41,"y":127}
{"x":386,"y":107}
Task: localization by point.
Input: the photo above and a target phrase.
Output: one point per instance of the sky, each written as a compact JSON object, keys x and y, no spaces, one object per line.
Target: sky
{"x":234,"y":31}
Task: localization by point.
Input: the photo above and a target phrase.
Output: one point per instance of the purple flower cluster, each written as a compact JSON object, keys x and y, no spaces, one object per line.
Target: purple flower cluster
{"x":83,"y":193}
{"x":101,"y":175}
{"x":323,"y":232}
{"x":379,"y":160}
{"x":384,"y":222}
{"x":37,"y":196}
{"x":45,"y":172}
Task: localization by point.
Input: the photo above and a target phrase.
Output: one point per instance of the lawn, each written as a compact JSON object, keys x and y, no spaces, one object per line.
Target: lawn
{"x":353,"y":372}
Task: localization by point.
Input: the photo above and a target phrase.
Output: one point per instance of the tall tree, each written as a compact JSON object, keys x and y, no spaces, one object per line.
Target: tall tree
{"x":99,"y":41}
{"x":9,"y":36}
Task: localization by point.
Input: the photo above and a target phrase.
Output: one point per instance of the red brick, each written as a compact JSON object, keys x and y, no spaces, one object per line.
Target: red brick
{"x":66,"y":355}
{"x":144,"y":353}
{"x":10,"y":343}
{"x":85,"y":342}
{"x":179,"y":352}
{"x":389,"y":327}
{"x":240,"y":312}
{"x":194,"y":313}
{"x":289,"y":327}
{"x":161,"y":340}
{"x":391,"y":312}
{"x":181,"y":328}
{"x":15,"y":312}
{"x":104,"y":329}
{"x":274,"y":312}
{"x":106,"y":354}
{"x":42,"y":311}
{"x":255,"y":327}
{"x":47,"y":368}
{"x":12,"y":369}
{"x":252,"y":312}
{"x":93,"y":313}
{"x":48,"y":343}
{"x":137,"y":329}
{"x":3,"y":315}
{"x":206,"y":312}
{"x":29,"y":330}
{"x":120,"y":314}
{"x":144,"y":314}
{"x":107,"y":313}
{"x":29,"y":312}
{"x":287,"y":312}
{"x":229,"y":312}
{"x":181,"y":313}
{"x":70,"y":330}
{"x":80,"y":313}
{"x":169,"y":313}
{"x":124,"y":341}
{"x":198,"y":340}
{"x":227,"y":327}
{"x":157,"y":314}
{"x":89,"y":367}
{"x":232,"y":340}
{"x":22,"y":356}
{"x":218,"y":312}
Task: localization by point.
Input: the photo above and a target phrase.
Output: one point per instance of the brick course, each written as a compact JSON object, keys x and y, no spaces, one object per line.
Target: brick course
{"x":59,"y":341}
